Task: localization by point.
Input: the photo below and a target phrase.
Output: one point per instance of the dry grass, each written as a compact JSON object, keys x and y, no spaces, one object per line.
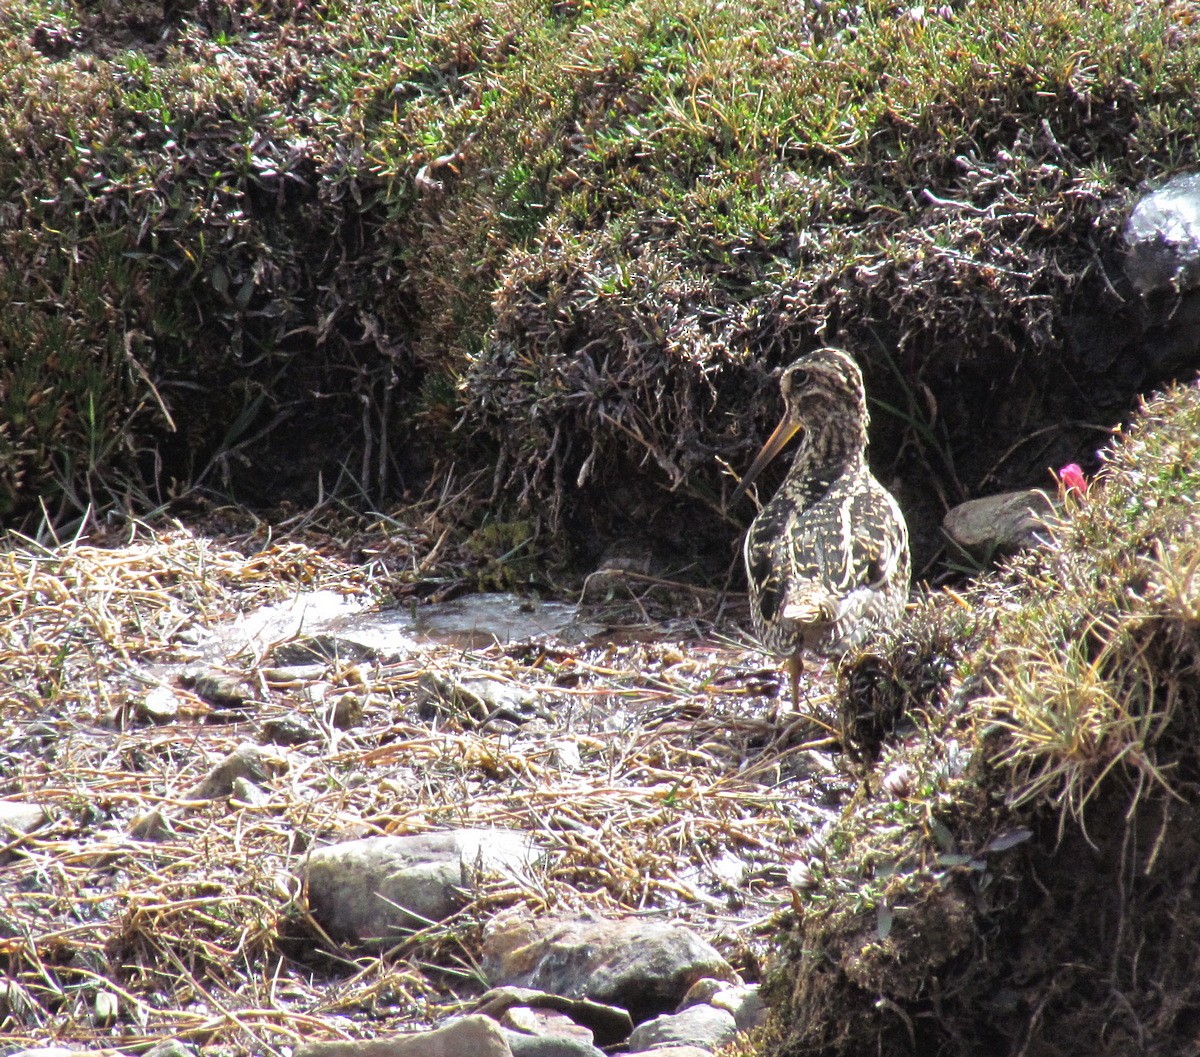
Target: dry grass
{"x":680,"y":769}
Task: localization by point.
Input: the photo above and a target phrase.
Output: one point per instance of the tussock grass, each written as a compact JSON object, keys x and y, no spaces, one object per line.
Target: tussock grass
{"x":585,"y":232}
{"x":1085,"y":689}
{"x":1051,"y":710}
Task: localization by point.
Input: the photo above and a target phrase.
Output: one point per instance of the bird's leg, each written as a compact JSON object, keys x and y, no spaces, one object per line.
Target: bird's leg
{"x":795,"y":666}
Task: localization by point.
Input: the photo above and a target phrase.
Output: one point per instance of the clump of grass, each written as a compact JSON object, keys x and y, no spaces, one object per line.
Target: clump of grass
{"x":607,"y":222}
{"x":1085,"y":690}
{"x":1063,"y":727}
{"x":1072,"y":713}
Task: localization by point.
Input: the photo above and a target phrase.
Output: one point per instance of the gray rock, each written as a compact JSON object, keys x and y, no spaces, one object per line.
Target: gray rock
{"x":642,"y":966}
{"x":1162,"y":238}
{"x":680,"y":1051}
{"x":247,"y":761}
{"x":105,"y":1009}
{"x":341,"y":648}
{"x":703,"y":1026}
{"x":744,"y":1002}
{"x":1005,"y":522}
{"x":292,"y":729}
{"x":246,"y":792}
{"x":546,"y":1033}
{"x":160,"y":705}
{"x":18,"y":817}
{"x":544,"y":1022}
{"x":220,"y":689}
{"x":171,"y":1048}
{"x":483,"y":698}
{"x":246,"y":764}
{"x":347,"y":710}
{"x":565,"y":755}
{"x":523,"y":1045}
{"x":607,"y":1024}
{"x":472,"y":1036}
{"x":295,"y":676}
{"x":379,"y":889}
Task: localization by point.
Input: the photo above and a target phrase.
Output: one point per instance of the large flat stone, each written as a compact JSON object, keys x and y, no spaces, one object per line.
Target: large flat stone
{"x":472,"y":1036}
{"x":379,"y":889}
{"x":643,"y":966}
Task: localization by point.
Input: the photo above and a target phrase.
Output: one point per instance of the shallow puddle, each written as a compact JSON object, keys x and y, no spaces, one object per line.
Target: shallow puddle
{"x":470,"y":622}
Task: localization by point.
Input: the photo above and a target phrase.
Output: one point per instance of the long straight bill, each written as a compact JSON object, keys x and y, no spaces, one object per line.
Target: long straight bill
{"x":784,"y":432}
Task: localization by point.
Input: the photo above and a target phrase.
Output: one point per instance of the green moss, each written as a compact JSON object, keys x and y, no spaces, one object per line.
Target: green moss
{"x":507,"y":553}
{"x":340,"y":198}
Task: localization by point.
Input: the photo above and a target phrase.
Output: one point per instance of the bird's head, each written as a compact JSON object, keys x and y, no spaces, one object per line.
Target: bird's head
{"x":822,"y":389}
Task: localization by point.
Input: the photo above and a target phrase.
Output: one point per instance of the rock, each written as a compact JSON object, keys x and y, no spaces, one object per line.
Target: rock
{"x":523,"y":1045}
{"x":292,"y":729}
{"x":378,"y":889}
{"x":703,"y":1026}
{"x":744,"y":1002}
{"x":247,"y":763}
{"x":160,"y":705}
{"x":611,"y":578}
{"x":546,"y":1033}
{"x":18,"y":817}
{"x":347,"y":710}
{"x":1005,"y":522}
{"x":327,"y":647}
{"x":472,"y":1036}
{"x":293,"y":677}
{"x":483,"y":698}
{"x":642,"y":966}
{"x":565,"y":755}
{"x":546,"y":1022}
{"x":246,"y":792}
{"x":219,"y":689}
{"x":679,"y":1051}
{"x":1162,"y":238}
{"x":171,"y":1048}
{"x":606,"y":1024}
{"x":154,"y":825}
{"x":105,"y":1009}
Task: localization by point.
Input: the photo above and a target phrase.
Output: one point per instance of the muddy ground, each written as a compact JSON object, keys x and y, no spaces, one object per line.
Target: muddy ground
{"x":654,"y":759}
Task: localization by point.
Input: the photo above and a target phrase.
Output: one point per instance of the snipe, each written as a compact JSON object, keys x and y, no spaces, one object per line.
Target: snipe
{"x":827,"y":558}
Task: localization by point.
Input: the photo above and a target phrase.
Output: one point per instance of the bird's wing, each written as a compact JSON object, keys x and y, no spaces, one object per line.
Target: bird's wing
{"x":878,"y":553}
{"x":858,"y":540}
{"x":766,"y":550}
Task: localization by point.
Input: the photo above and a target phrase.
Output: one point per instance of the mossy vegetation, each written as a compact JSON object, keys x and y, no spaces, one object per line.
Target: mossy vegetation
{"x":254,"y":233}
{"x":1016,"y":877}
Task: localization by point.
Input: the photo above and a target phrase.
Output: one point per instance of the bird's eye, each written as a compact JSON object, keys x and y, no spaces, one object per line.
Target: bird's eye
{"x":799,"y":378}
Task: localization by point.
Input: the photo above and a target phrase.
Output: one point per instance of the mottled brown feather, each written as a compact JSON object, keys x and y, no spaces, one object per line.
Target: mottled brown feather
{"x":827,"y":558}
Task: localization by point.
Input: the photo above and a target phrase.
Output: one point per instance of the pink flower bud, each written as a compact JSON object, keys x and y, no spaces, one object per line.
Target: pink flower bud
{"x":1072,"y":481}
